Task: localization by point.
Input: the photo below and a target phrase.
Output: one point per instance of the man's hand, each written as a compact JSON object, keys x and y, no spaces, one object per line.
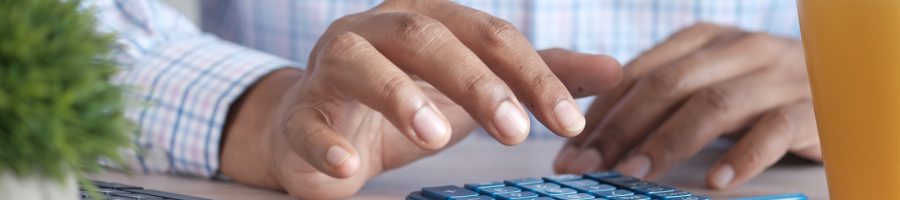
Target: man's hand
{"x":394,"y":84}
{"x":702,"y":83}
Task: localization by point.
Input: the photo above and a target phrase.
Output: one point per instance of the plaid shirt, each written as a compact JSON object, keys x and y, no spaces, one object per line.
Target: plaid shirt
{"x":186,"y":80}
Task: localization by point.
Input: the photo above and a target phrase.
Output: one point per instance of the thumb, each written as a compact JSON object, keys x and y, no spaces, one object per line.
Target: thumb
{"x":583,"y":74}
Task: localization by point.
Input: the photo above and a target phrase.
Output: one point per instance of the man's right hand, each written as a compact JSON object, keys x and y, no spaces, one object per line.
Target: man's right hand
{"x":396,"y":83}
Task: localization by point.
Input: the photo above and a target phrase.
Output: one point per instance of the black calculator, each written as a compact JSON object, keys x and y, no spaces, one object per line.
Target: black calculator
{"x":118,"y":191}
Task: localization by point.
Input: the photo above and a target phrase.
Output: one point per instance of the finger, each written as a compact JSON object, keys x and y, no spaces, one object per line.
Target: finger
{"x":424,"y":47}
{"x":583,"y":74}
{"x":654,"y":96}
{"x":763,"y":146}
{"x":705,"y":116}
{"x":676,"y":46}
{"x":509,"y":54}
{"x":812,"y":152}
{"x":310,"y":136}
{"x":349,"y":64}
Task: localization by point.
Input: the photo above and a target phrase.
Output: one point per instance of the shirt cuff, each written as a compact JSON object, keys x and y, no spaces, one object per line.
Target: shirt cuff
{"x":184,"y":89}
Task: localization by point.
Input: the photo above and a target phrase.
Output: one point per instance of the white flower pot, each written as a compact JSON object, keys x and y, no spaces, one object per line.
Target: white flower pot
{"x":37,"y":188}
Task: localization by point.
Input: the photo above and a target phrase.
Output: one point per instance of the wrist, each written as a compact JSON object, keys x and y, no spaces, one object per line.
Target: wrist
{"x":245,"y":154}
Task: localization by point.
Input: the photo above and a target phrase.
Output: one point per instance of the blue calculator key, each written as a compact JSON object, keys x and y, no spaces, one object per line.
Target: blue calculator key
{"x":619,"y":181}
{"x":494,"y":191}
{"x":476,"y":186}
{"x":639,"y":184}
{"x":631,"y":197}
{"x":537,"y":198}
{"x":602,"y":175}
{"x":601,"y":185}
{"x":578,"y":196}
{"x":524,"y":181}
{"x":556,"y":191}
{"x":517,"y":195}
{"x":654,"y":190}
{"x":690,"y":198}
{"x":580,"y":182}
{"x":596,"y":188}
{"x":476,"y":198}
{"x":541,"y":186}
{"x":672,"y":194}
{"x":416,"y":196}
{"x":447,"y":192}
{"x":562,"y":177}
{"x":613,"y":193}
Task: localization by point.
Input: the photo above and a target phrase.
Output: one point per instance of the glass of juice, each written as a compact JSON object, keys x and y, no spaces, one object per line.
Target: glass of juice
{"x":853,"y":58}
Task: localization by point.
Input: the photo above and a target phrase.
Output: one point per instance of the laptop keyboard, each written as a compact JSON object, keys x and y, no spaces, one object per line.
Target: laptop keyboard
{"x":118,"y":191}
{"x":597,"y":185}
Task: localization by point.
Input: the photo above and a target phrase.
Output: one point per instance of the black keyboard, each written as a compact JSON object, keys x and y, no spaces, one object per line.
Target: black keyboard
{"x":118,"y":191}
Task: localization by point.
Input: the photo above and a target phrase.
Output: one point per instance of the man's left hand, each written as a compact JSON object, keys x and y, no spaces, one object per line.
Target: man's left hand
{"x":702,"y":83}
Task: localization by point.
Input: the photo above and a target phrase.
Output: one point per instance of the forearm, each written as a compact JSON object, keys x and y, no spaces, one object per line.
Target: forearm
{"x":245,"y":153}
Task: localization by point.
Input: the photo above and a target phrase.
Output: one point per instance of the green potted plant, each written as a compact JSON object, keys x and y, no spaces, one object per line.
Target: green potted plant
{"x":59,"y":114}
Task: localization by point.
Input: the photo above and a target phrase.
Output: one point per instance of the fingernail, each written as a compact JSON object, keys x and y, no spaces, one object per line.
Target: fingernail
{"x":565,"y":156}
{"x":428,"y":125}
{"x":589,"y":160}
{"x":510,"y":121}
{"x":336,"y":156}
{"x":568,"y":116}
{"x":637,"y":166}
{"x":722,"y":176}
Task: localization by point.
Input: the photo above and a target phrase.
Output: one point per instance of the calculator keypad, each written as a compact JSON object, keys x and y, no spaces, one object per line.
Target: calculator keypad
{"x":596,"y":185}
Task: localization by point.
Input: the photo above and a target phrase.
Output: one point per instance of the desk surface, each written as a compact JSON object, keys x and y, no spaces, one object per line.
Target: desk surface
{"x":475,"y":160}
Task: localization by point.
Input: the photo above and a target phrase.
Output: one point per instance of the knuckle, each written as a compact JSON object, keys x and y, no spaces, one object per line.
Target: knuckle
{"x":408,"y":5}
{"x":757,"y":37}
{"x":395,"y":89}
{"x":555,"y":50}
{"x":782,"y":117}
{"x":543,"y":82}
{"x":717,"y":99}
{"x":343,"y":21}
{"x":614,"y":135}
{"x":698,"y":27}
{"x":662,"y":82}
{"x":667,"y":142}
{"x":497,"y":32}
{"x":395,"y":2}
{"x":287,"y":122}
{"x":703,"y":31}
{"x":345,"y":40}
{"x":416,"y":27}
{"x":608,"y":144}
{"x":613,"y":128}
{"x":759,"y":41}
{"x":752,"y":155}
{"x":703,"y":26}
{"x":479,"y":85}
{"x":311,"y":136}
{"x":341,"y":46}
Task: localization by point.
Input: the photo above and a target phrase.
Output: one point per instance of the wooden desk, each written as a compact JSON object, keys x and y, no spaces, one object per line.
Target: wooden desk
{"x":477,"y":159}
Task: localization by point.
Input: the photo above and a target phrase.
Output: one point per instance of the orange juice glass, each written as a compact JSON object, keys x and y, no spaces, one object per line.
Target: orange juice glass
{"x":853,"y":58}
